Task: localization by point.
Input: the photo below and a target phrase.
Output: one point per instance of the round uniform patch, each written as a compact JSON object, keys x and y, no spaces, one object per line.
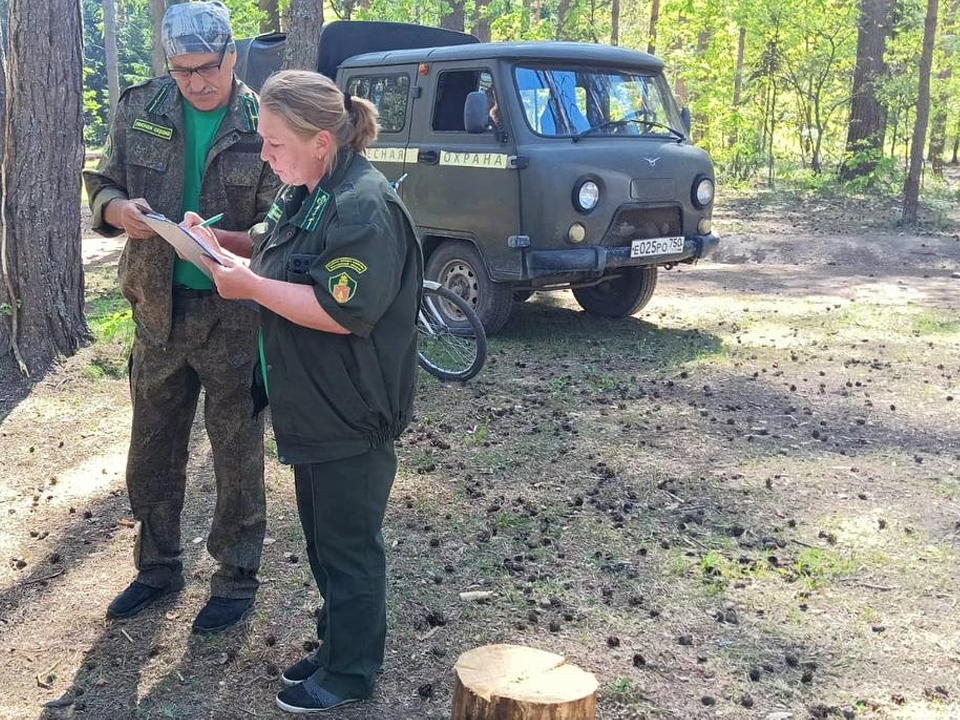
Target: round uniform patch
{"x":343,"y":287}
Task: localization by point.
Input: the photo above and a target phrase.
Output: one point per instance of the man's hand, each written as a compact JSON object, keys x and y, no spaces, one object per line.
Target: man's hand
{"x":128,"y":216}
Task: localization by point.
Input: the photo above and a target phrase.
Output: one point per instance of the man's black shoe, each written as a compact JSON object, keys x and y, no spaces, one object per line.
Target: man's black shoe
{"x":309,"y":699}
{"x":138,"y":596}
{"x":301,"y":670}
{"x":220,"y":613}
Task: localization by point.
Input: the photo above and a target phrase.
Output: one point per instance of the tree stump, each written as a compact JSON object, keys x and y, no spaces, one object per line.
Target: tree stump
{"x":502,"y":682}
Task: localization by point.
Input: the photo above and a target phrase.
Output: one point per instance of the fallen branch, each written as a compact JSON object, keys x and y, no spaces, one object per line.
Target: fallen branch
{"x":693,"y":541}
{"x":41,"y":579}
{"x":42,"y":676}
{"x":869,"y":586}
{"x":675,"y":497}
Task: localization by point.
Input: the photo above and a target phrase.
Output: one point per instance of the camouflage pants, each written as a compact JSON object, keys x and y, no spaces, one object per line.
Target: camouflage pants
{"x":212,"y":345}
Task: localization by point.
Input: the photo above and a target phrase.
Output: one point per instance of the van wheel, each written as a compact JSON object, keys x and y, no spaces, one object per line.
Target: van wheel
{"x":620,"y":297}
{"x":458,"y":266}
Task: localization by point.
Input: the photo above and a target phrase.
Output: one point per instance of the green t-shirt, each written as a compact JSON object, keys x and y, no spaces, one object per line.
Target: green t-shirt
{"x":201,"y":129}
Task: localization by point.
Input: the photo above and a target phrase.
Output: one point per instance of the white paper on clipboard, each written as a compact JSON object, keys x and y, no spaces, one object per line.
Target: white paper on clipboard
{"x":190,"y":246}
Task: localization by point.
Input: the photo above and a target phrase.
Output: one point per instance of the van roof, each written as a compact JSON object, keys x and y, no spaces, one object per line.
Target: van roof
{"x":515,"y":51}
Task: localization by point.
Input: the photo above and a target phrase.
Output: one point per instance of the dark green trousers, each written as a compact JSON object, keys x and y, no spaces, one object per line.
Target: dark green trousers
{"x":342,"y":504}
{"x":212,"y":345}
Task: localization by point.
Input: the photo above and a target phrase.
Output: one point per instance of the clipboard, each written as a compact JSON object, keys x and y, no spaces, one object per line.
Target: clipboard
{"x":190,"y":246}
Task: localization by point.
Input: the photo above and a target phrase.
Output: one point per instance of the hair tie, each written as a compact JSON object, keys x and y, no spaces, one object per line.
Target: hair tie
{"x":347,"y":103}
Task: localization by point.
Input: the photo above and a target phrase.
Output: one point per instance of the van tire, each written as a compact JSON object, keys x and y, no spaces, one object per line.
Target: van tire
{"x":619,"y":297}
{"x":457,"y":266}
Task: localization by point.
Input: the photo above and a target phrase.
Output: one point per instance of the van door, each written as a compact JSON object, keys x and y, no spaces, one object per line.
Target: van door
{"x":390,"y":89}
{"x":463,"y":185}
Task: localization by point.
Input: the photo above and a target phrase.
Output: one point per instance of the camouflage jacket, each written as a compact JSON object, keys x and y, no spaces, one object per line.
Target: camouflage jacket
{"x":145,"y":157}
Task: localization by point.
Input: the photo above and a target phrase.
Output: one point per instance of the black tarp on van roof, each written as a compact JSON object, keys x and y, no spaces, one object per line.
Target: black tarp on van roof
{"x":258,"y":57}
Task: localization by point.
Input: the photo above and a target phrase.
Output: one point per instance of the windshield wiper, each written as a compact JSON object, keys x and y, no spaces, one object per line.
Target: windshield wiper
{"x":637,"y":117}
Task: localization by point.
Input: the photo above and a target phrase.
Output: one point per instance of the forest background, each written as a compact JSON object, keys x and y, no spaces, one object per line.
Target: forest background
{"x":856,"y":97}
{"x":797,"y":88}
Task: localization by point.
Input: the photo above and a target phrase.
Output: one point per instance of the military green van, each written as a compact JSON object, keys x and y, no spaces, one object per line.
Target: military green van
{"x":528,"y":166}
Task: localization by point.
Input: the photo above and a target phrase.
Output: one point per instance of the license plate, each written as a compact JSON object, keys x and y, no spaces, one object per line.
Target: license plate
{"x":656,"y":246}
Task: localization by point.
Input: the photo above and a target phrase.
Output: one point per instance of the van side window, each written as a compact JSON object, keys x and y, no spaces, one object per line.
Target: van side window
{"x":389,"y":93}
{"x":453,"y":86}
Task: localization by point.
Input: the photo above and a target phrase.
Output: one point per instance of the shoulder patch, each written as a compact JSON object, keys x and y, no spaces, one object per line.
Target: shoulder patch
{"x":160,"y":131}
{"x":346,"y":262}
{"x":342,"y":287}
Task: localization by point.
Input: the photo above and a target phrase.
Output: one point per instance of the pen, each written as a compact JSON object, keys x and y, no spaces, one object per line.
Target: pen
{"x":212,"y":221}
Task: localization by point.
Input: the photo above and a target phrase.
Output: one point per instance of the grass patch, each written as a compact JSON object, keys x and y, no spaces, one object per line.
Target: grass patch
{"x":934,"y":322}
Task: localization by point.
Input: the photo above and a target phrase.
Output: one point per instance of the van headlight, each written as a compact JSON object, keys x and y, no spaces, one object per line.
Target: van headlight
{"x":586,"y":196}
{"x":702,"y":192}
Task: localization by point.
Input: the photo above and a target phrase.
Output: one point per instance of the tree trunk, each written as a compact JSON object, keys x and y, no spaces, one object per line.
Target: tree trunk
{"x":303,"y":35}
{"x":615,"y":22}
{"x":453,"y":18}
{"x":733,"y":135}
{"x":110,"y":51}
{"x":512,"y":681}
{"x":868,"y":116}
{"x":157,"y":9}
{"x":5,"y":305}
{"x":911,"y":188}
{"x":41,"y":178}
{"x":271,"y":16}
{"x":563,"y":9}
{"x":956,"y":144}
{"x":938,"y":120}
{"x":652,"y":34}
{"x":481,"y":27}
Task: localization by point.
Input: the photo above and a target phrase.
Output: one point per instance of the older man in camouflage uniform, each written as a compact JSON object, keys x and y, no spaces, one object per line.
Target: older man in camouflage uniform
{"x":189,"y":142}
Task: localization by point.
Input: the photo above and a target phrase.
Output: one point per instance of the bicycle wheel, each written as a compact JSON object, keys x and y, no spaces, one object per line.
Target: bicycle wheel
{"x":453,"y":345}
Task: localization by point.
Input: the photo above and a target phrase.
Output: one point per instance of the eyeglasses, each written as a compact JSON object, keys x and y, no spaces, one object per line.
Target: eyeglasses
{"x":205,"y":72}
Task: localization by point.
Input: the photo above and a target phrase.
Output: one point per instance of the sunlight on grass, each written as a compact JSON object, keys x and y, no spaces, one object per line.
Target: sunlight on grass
{"x":934,"y":322}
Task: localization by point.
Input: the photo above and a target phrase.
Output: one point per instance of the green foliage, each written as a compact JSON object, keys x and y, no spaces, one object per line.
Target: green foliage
{"x":111,"y":321}
{"x":794,"y":94}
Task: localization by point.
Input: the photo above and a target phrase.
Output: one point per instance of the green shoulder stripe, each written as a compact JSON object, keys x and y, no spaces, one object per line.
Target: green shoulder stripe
{"x":312,"y":219}
{"x":251,"y":112}
{"x":157,"y":99}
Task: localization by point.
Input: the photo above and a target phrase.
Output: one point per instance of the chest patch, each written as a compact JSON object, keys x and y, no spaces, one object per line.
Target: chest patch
{"x":150,"y":128}
{"x":342,"y":287}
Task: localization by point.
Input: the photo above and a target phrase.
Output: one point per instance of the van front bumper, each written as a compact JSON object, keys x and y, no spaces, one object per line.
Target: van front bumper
{"x":599,"y":258}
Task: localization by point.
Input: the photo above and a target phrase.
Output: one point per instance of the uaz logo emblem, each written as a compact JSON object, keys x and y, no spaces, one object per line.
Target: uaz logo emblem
{"x":652,"y":161}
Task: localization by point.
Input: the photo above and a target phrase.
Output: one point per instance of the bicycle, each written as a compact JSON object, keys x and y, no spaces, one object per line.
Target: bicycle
{"x":453,"y":344}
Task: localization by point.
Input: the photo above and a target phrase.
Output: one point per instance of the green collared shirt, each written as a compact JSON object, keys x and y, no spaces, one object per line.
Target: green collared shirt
{"x":352,"y":241}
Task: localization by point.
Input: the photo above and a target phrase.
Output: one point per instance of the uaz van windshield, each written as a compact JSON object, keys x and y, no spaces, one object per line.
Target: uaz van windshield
{"x":566,"y":101}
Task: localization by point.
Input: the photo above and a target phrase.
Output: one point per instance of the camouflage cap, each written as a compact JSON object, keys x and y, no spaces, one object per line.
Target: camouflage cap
{"x":196,"y":27}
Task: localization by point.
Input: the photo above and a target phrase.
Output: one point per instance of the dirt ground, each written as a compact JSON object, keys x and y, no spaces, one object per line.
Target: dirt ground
{"x":742,"y":503}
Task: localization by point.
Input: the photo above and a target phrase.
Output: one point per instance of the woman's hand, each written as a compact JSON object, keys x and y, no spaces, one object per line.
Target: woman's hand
{"x":193,"y":223}
{"x":234,"y":280}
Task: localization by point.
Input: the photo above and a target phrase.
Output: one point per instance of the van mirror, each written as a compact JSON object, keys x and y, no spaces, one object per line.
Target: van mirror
{"x":476,"y":112}
{"x":685,"y":116}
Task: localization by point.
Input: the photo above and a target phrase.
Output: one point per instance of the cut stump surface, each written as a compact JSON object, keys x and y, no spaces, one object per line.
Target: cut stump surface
{"x":507,"y":682}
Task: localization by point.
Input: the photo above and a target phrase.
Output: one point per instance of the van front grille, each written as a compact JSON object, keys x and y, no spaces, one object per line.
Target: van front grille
{"x":637,"y":223}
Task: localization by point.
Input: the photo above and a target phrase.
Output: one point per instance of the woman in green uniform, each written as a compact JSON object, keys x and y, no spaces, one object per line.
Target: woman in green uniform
{"x":338,"y":279}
